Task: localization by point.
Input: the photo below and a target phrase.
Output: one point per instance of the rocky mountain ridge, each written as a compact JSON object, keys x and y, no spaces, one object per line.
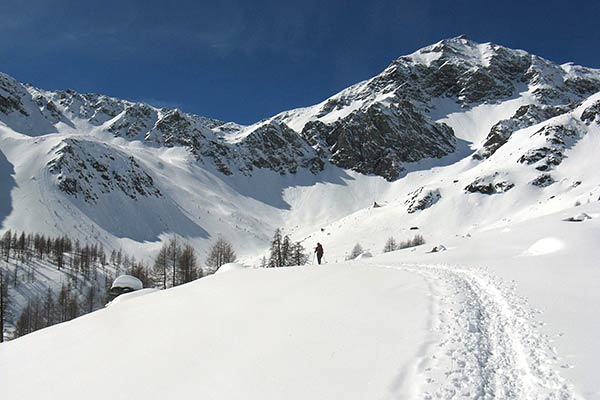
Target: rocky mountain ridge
{"x":468,"y":136}
{"x":374,"y":127}
{"x":458,"y":70}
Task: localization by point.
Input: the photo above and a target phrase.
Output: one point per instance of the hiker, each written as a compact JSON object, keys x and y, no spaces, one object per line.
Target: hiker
{"x":319,"y":251}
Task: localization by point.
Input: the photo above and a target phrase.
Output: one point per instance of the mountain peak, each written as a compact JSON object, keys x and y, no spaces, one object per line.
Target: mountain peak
{"x":459,"y":40}
{"x":459,"y":48}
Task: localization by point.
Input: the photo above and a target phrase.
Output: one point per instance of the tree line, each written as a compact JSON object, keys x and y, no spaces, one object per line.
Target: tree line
{"x":177,"y":262}
{"x":90,"y":272}
{"x":284,"y":253}
{"x":87,"y":272}
{"x":390,"y":245}
{"x":52,"y":309}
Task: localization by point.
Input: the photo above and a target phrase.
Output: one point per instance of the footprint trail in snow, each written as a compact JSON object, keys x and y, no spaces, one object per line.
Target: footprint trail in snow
{"x":488,"y":345}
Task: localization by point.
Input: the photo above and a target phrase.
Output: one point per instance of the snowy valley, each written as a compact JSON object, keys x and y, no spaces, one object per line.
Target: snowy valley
{"x":490,"y":154}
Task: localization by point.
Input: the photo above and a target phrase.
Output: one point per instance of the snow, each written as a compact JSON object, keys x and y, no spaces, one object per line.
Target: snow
{"x":266,"y":334}
{"x":545,"y":246}
{"x":230,"y":267}
{"x":200,"y":201}
{"x":425,"y":57}
{"x":579,"y":217}
{"x":365,"y":254}
{"x":463,"y":48}
{"x":506,"y":308}
{"x":477,"y":320}
{"x":555,"y":290}
{"x":130,"y":296}
{"x":7,"y":183}
{"x":438,"y":248}
{"x":127,"y":281}
{"x":473,"y":125}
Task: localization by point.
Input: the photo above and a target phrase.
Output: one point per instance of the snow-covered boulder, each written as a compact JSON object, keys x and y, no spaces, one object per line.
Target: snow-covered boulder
{"x":131,"y":295}
{"x":230,"y":267}
{"x":127,"y":281}
{"x":545,"y":246}
{"x":364,"y":254}
{"x":438,"y":248}
{"x":578,"y":218}
{"x":125,"y":284}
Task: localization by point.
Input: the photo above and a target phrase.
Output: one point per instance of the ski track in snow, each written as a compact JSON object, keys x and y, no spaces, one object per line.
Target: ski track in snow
{"x":489,"y":346}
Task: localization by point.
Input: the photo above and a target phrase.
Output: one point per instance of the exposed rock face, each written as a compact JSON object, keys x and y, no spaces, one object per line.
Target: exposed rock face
{"x":457,"y":68}
{"x":524,"y":117}
{"x":380,"y":139}
{"x":561,"y":84}
{"x":359,"y":127}
{"x":176,"y":128}
{"x":492,"y":184}
{"x":135,"y":121}
{"x":277,"y":147}
{"x":49,"y":110}
{"x":86,"y":169}
{"x":557,"y":138}
{"x":473,"y":73}
{"x":422,"y":199}
{"x":543,"y":180}
{"x":11,"y":94}
{"x":94,"y":108}
{"x":591,"y":113}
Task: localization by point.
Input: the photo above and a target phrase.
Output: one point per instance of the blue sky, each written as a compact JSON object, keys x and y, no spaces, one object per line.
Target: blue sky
{"x":246,"y":60}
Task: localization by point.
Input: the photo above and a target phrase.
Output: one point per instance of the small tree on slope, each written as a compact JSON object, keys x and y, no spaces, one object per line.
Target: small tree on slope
{"x":277,"y":257}
{"x":356,"y":251}
{"x":298,"y":254}
{"x":188,"y":268}
{"x":390,"y":245}
{"x":161,"y":264}
{"x":174,"y":250}
{"x":220,"y":253}
{"x":4,"y":299}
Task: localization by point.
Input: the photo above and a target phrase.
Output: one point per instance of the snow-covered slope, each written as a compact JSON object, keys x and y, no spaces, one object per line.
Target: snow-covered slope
{"x":546,"y":270}
{"x":507,"y":314}
{"x":480,"y":149}
{"x":466,"y":133}
{"x":241,"y":334}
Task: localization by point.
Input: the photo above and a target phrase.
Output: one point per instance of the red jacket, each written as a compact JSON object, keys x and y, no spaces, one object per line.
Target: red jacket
{"x":319,"y":250}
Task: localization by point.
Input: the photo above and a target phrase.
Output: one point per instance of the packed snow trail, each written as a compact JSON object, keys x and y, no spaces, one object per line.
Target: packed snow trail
{"x":490,"y":347}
